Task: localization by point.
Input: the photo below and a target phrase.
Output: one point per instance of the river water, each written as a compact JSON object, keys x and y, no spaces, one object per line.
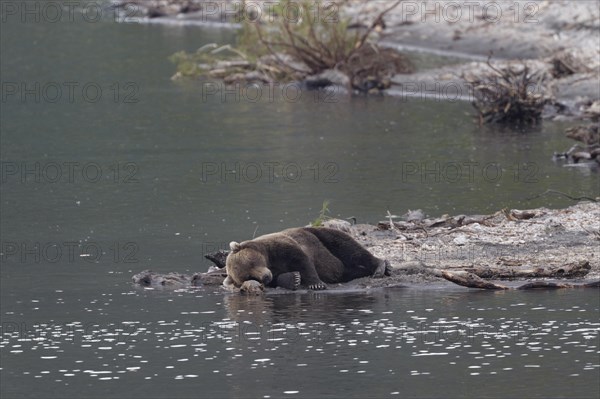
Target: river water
{"x":109,"y":168}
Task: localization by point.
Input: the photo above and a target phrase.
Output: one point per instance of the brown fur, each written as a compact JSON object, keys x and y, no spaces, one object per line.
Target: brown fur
{"x":320,"y":255}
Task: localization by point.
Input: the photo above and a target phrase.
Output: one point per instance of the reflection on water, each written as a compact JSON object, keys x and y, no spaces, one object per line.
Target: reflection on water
{"x":414,"y":342}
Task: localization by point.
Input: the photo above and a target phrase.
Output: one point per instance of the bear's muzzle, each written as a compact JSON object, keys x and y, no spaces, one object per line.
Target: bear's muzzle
{"x":266,"y":279}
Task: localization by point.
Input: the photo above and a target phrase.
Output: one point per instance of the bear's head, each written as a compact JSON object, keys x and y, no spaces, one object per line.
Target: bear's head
{"x":246,"y":263}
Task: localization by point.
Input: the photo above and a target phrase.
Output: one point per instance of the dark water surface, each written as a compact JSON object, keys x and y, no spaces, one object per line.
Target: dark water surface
{"x":412,"y":342}
{"x":93,"y":192}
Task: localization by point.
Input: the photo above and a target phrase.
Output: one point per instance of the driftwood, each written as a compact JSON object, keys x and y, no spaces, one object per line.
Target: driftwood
{"x":471,"y":280}
{"x":451,"y":222}
{"x":501,"y":272}
{"x":148,"y":278}
{"x":515,"y":214}
{"x":555,"y":285}
{"x":218,"y":258}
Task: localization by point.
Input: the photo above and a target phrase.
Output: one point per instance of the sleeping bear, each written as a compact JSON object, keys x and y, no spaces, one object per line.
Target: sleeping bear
{"x":314,"y":256}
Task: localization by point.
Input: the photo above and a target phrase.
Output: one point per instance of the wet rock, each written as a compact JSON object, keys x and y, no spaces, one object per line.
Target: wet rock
{"x":461,"y":240}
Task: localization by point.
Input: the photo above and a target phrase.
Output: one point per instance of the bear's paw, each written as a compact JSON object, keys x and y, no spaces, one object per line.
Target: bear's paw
{"x":290,"y":281}
{"x":317,"y":287}
{"x":252,"y":287}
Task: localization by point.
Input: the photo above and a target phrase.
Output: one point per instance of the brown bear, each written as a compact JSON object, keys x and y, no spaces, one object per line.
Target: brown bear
{"x":316,"y":255}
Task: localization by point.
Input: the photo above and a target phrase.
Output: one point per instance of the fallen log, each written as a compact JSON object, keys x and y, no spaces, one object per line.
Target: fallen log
{"x":471,"y":280}
{"x":451,"y":222}
{"x":568,"y":271}
{"x":148,"y":278}
{"x":544,"y":285}
{"x":213,"y":278}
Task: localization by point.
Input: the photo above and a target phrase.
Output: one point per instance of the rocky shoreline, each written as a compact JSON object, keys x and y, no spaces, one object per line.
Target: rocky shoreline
{"x":508,"y":239}
{"x":520,"y":242}
{"x":560,"y":39}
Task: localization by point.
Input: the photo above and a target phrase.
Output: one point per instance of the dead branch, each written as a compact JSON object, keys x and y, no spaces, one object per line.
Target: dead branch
{"x":471,"y":280}
{"x":218,"y":258}
{"x":374,"y":24}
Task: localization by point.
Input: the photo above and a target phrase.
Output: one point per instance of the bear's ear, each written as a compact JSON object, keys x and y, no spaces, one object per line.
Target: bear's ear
{"x":234,"y":246}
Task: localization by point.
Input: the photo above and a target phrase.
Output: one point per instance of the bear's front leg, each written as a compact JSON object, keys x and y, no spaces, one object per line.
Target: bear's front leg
{"x":296,"y":260}
{"x":383,"y":269}
{"x":309,"y":277}
{"x":290,"y":280}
